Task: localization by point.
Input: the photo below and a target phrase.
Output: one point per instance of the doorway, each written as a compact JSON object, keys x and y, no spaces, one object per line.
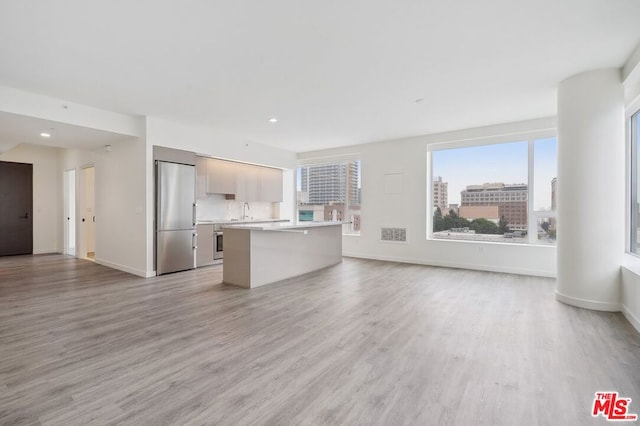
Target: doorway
{"x":16,"y":208}
{"x":70,"y":212}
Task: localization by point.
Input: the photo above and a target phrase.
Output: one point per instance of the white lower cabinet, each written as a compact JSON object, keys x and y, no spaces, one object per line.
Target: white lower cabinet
{"x":205,"y":243}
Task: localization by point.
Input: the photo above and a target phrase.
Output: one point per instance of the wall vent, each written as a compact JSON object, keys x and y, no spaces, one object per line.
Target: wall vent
{"x":393,"y":234}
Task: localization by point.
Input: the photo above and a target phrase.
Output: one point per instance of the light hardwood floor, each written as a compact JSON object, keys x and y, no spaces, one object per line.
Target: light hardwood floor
{"x":364,"y":342}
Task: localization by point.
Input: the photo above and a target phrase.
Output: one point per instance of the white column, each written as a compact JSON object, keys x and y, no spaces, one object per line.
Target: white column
{"x":591,"y":189}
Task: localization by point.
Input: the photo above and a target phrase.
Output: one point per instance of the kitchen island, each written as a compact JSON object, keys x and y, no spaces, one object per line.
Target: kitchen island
{"x":259,"y":254}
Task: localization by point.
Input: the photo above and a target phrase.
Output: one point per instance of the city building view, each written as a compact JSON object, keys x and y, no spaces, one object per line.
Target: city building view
{"x":489,"y":212}
{"x":554,"y":190}
{"x":508,"y":201}
{"x":440,"y":191}
{"x":502,"y":192}
{"x":330,"y":192}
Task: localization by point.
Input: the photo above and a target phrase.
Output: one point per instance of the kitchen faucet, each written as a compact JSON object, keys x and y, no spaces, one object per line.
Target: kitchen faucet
{"x":244,"y":212}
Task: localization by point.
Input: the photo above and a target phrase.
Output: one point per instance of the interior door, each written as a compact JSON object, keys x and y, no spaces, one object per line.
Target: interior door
{"x":89,"y":213}
{"x":70,"y":212}
{"x":16,"y":205}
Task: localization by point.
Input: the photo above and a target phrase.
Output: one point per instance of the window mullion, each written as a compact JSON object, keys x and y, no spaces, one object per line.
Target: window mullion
{"x":633,"y":214}
{"x":532,"y":221}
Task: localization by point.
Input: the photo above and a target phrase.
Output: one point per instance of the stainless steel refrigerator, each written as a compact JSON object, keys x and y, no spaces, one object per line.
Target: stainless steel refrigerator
{"x":176,"y":217}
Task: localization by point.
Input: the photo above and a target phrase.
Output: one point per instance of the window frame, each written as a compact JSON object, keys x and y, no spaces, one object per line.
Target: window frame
{"x":632,"y":140}
{"x":329,"y":160}
{"x":532,"y":215}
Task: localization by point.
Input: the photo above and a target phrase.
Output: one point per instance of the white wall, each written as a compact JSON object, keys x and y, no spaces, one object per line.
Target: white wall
{"x":47,"y":194}
{"x":408,"y":209}
{"x":120,"y":207}
{"x":120,"y":194}
{"x":630,"y":277}
{"x":591,"y":189}
{"x":630,"y":290}
{"x":121,"y":187}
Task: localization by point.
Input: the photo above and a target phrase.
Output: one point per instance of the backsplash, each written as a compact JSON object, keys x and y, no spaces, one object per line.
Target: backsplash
{"x":216,"y":207}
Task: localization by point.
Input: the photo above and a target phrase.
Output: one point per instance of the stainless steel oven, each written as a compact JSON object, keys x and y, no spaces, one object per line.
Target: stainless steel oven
{"x":217,"y":245}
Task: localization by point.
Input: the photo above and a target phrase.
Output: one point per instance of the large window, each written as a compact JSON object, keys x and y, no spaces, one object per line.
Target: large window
{"x":635,"y":184}
{"x":503,"y":192}
{"x":330,"y":191}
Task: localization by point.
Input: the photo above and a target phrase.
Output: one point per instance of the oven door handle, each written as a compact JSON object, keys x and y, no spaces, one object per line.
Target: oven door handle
{"x":218,"y":245}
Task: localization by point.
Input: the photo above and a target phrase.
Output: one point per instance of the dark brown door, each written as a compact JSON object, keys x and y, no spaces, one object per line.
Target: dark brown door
{"x":16,"y":201}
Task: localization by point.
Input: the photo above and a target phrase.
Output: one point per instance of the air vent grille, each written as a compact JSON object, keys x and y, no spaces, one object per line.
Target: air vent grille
{"x":394,"y":234}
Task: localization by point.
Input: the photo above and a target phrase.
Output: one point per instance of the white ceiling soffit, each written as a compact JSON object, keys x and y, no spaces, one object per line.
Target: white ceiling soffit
{"x":16,"y":129}
{"x":333,"y":73}
{"x":631,"y":78}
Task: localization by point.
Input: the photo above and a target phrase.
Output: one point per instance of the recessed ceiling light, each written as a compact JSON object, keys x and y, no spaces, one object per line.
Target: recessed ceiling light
{"x":273,"y":120}
{"x":45,"y":135}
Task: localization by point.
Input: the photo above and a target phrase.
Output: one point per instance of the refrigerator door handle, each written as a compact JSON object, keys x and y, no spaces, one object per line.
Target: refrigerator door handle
{"x":194,"y":240}
{"x":194,"y":213}
{"x":159,"y":198}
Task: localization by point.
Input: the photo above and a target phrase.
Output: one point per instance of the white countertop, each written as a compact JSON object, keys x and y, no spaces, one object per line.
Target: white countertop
{"x":231,"y":222}
{"x":278,"y":226}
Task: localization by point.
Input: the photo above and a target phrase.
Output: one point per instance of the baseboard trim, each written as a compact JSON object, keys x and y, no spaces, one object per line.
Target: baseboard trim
{"x":587,"y":304}
{"x":631,"y":317}
{"x":124,"y":268}
{"x":47,"y":251}
{"x":475,"y":267}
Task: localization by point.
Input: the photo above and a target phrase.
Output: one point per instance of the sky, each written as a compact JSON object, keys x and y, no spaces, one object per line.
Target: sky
{"x":506,"y":163}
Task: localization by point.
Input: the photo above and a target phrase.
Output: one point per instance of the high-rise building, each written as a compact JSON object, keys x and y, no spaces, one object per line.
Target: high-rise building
{"x":330,"y":183}
{"x":510,"y":199}
{"x":440,"y":194}
{"x":554,"y":190}
{"x":335,"y":188}
{"x":304,"y":179}
{"x":352,"y":184}
{"x":554,"y":207}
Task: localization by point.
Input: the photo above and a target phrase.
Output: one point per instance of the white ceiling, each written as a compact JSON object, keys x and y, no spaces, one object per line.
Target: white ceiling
{"x":333,"y":72}
{"x":16,"y":129}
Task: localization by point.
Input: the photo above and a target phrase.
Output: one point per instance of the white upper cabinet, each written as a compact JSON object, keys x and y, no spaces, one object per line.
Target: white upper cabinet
{"x":270,"y":185}
{"x":221,"y":176}
{"x":247,"y":182}
{"x":201,"y":177}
